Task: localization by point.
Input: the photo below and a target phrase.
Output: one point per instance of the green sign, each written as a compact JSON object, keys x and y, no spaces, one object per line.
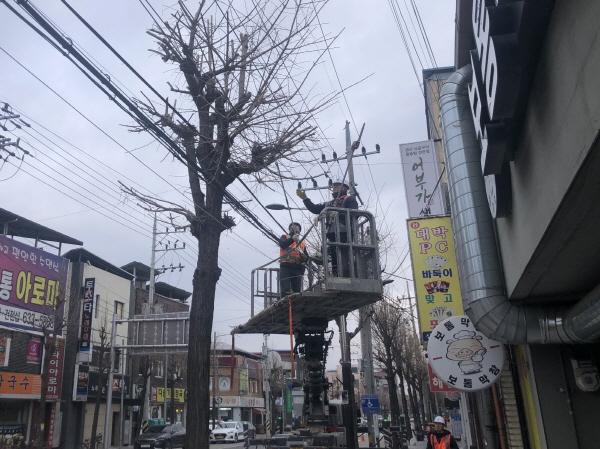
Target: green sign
{"x":289,"y":401}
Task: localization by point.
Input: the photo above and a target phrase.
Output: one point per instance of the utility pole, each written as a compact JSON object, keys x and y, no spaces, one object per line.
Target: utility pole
{"x":6,"y":143}
{"x":215,"y":379}
{"x":162,"y":247}
{"x":347,"y":376}
{"x":366,"y":339}
{"x":267,"y":386}
{"x":152,"y":264}
{"x":109,"y":392}
{"x":366,"y":346}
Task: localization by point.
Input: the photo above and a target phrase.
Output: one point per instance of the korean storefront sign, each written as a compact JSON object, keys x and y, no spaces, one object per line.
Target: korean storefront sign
{"x":240,"y":401}
{"x":82,"y":380}
{"x":33,"y":352}
{"x":87,"y":315}
{"x":32,"y":286}
{"x":244,"y":384}
{"x":435,"y":271}
{"x":463,"y":357}
{"x":163,"y":394}
{"x":20,"y":385}
{"x":420,"y":169}
{"x":55,"y":370}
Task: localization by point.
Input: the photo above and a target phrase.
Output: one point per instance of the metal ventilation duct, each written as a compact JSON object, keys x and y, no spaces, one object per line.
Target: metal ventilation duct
{"x":482,"y":280}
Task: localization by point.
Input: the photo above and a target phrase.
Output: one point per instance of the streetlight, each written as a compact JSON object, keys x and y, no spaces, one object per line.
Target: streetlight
{"x":282,"y":207}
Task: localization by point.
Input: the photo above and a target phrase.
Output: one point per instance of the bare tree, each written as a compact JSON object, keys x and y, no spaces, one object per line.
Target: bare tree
{"x":101,"y":352}
{"x":244,"y":69}
{"x":385,"y":332}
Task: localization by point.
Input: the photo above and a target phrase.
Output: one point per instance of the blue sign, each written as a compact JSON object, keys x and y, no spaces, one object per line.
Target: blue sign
{"x":370,"y":403}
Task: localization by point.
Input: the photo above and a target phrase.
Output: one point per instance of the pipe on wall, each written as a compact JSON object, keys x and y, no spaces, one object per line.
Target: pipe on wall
{"x":481,"y":276}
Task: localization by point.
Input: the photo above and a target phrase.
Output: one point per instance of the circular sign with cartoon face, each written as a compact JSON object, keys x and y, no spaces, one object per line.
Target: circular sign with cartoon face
{"x":462,"y":357}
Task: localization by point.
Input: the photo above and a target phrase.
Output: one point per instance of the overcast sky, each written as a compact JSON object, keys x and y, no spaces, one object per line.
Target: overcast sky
{"x":389,"y":102}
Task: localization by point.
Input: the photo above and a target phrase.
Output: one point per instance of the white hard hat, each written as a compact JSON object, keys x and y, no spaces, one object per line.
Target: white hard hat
{"x":439,"y":420}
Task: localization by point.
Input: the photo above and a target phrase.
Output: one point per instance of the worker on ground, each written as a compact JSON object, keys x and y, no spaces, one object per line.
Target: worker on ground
{"x":341,"y":199}
{"x":292,"y":257}
{"x":439,"y":437}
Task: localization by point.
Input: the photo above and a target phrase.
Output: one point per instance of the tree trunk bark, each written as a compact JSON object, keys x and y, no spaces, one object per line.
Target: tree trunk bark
{"x":413,"y":406}
{"x":402,"y":390}
{"x":422,"y":402}
{"x":393,"y":393}
{"x":101,"y":381}
{"x":205,"y":280}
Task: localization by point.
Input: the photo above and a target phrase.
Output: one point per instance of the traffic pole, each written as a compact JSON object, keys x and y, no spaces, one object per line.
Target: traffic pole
{"x":108,"y":414}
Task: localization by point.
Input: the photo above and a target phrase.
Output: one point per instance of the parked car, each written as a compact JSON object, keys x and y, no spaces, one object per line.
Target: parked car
{"x":249,"y":429}
{"x":162,"y":436}
{"x":212,"y":426}
{"x":229,"y":431}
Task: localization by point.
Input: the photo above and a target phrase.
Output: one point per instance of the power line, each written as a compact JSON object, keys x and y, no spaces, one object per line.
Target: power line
{"x":126,"y":214}
{"x":125,"y":103}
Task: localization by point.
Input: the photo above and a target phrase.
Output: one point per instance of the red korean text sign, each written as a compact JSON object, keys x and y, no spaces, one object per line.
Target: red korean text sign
{"x":55,"y":371}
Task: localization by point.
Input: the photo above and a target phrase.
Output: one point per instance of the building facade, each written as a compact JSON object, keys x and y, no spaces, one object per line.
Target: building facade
{"x":520,"y":122}
{"x":236,"y":385}
{"x":106,"y":291}
{"x":33,"y":293}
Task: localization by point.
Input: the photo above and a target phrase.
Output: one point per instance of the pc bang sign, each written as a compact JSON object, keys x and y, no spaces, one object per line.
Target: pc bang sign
{"x":435,"y":271}
{"x":32,"y":286}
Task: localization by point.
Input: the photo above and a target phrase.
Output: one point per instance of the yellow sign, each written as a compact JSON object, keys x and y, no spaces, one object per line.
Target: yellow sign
{"x":435,"y":271}
{"x":179,"y":394}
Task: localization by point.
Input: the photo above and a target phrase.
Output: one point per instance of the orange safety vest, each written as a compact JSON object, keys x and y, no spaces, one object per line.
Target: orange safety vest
{"x":293,"y":253}
{"x":443,"y":443}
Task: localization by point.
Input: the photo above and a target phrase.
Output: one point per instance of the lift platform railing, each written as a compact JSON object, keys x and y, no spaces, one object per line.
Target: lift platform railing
{"x":264,"y":285}
{"x":350,"y":251}
{"x":348,"y":263}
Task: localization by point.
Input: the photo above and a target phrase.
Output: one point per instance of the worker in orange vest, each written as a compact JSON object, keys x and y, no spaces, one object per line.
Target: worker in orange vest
{"x":292,"y":256}
{"x":439,"y":437}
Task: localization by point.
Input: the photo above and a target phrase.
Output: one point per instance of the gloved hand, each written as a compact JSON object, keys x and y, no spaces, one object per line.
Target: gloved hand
{"x":301,"y":194}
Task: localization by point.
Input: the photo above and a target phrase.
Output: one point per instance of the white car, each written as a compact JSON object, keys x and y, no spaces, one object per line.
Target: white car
{"x":229,"y":431}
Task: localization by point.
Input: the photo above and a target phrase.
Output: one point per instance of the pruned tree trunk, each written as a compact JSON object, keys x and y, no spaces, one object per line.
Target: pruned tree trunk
{"x":392,"y":390}
{"x":243,"y":112}
{"x":102,"y":349}
{"x":400,"y":371}
{"x":205,"y":279}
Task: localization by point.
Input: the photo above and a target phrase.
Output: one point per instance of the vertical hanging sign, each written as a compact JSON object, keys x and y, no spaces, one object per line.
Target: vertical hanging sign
{"x":435,"y":271}
{"x":87,"y":310}
{"x":419,"y":167}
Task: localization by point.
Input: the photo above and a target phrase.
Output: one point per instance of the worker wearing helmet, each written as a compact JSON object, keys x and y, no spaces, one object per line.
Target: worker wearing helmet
{"x":439,"y":437}
{"x":292,"y":256}
{"x":341,"y":199}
